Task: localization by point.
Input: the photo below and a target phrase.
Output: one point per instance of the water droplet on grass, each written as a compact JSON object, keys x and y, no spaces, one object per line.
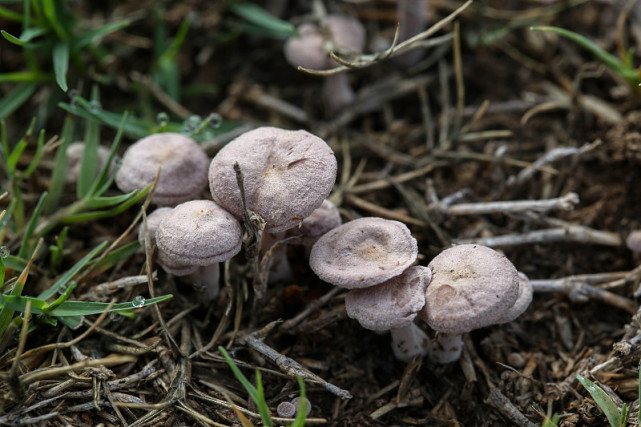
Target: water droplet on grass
{"x":4,"y":251}
{"x":138,"y":301}
{"x":214,"y":120}
{"x":191,"y":124}
{"x":115,"y":317}
{"x":162,"y":119}
{"x":95,"y":106}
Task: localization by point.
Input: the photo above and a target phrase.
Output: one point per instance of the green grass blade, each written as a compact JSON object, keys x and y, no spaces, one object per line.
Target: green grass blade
{"x":253,"y":393}
{"x":50,"y":13}
{"x":15,"y":263}
{"x":89,"y":160}
{"x":8,"y":14}
{"x":107,"y":202}
{"x":35,"y":161}
{"x":103,"y":178}
{"x":261,"y":404}
{"x":48,"y":308}
{"x":15,"y":98}
{"x":263,"y":21}
{"x":60,"y":165}
{"x":25,"y":248}
{"x":301,"y":415}
{"x":608,"y":59}
{"x":91,"y":216}
{"x":61,"y":64}
{"x":72,"y":308}
{"x":136,"y":128}
{"x":117,"y":255}
{"x":602,"y":400}
{"x":65,"y":278}
{"x":92,"y":35}
{"x":26,"y":36}
{"x":25,"y":77}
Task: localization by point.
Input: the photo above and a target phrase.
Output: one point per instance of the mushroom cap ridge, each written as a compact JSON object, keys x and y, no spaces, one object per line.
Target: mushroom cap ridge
{"x":287,"y":174}
{"x":472,"y":286}
{"x":392,"y":304}
{"x":183,"y":165}
{"x":199,"y":232}
{"x":363,"y":252}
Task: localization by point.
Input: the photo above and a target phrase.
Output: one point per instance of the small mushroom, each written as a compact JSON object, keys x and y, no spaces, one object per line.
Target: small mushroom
{"x":633,"y":241}
{"x":287,"y":174}
{"x":411,"y":15}
{"x":75,"y":151}
{"x":392,"y":306}
{"x":182,"y":162}
{"x":199,"y":233}
{"x":311,"y":50}
{"x":472,"y":286}
{"x":363,"y":252}
{"x":286,"y":410}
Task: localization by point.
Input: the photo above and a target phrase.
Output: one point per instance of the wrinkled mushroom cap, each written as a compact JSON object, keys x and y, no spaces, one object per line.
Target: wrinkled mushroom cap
{"x":363,"y":252}
{"x":287,"y":173}
{"x":183,"y":168}
{"x":307,"y":50}
{"x":319,"y":222}
{"x":392,"y":304}
{"x":522,"y":301}
{"x":472,"y":286}
{"x":198,"y":232}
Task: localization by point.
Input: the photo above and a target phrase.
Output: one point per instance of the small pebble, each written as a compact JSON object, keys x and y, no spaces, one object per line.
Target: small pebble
{"x":309,"y":404}
{"x":515,"y":360}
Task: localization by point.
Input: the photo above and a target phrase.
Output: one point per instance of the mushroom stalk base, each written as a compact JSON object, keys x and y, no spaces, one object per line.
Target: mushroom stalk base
{"x":207,"y":280}
{"x":409,"y":341}
{"x":446,"y":348}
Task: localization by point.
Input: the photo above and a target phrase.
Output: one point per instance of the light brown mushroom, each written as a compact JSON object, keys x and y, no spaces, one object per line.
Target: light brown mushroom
{"x":182,"y":162}
{"x":310,"y":49}
{"x":392,"y":306}
{"x":363,"y":252}
{"x":287,"y":173}
{"x":472,"y":286}
{"x":199,"y":233}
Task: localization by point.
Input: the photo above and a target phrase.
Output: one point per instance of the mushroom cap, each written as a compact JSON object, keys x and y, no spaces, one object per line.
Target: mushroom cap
{"x":319,"y":222}
{"x":363,"y":252}
{"x":472,"y":286}
{"x":633,"y":241}
{"x":198,"y":232}
{"x":183,"y":165}
{"x":75,"y":151}
{"x":522,"y":301}
{"x":173,"y":267}
{"x":307,"y":50}
{"x":153,"y":222}
{"x":392,"y":304}
{"x":287,"y":174}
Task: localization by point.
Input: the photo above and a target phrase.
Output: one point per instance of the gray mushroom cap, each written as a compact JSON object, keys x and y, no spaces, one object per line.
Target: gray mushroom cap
{"x":153,"y":222}
{"x":472,"y":286}
{"x":363,"y":252}
{"x":392,"y":304}
{"x":522,"y":301}
{"x":198,"y":232}
{"x":183,"y":168}
{"x":287,"y":173}
{"x":319,"y":222}
{"x":633,"y":241}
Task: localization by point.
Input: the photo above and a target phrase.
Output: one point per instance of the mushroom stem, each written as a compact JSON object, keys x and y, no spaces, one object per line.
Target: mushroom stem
{"x":411,"y":15}
{"x":280,"y":268}
{"x":409,"y":341}
{"x":207,"y":280}
{"x":446,"y":348}
{"x":337,"y":92}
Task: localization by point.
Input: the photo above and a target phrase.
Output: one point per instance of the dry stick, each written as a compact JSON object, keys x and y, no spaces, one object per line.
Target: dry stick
{"x":398,"y":179}
{"x":498,"y":400}
{"x":13,"y":378}
{"x":289,"y":366}
{"x":382,"y":212}
{"x":257,"y":96}
{"x":292,"y":323}
{"x":48,"y":373}
{"x":107,"y":288}
{"x":580,"y":291}
{"x":564,"y":203}
{"x":569,"y":233}
{"x":160,"y":95}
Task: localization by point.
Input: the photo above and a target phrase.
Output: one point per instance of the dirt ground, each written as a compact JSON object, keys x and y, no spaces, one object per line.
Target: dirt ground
{"x":497,"y":112}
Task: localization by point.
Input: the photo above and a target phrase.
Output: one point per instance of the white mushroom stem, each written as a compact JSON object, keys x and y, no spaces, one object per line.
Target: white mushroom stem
{"x":446,"y":348}
{"x":207,"y":280}
{"x":409,"y":341}
{"x":337,"y":92}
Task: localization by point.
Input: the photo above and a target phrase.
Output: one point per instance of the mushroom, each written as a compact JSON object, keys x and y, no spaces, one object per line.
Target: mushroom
{"x":633,"y":241}
{"x":411,"y":15}
{"x":363,"y":252}
{"x":392,"y":306}
{"x":75,"y":151}
{"x":287,"y":174}
{"x":472,"y":286}
{"x":199,"y":233}
{"x":309,"y":50}
{"x":319,"y":222}
{"x":182,"y":162}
